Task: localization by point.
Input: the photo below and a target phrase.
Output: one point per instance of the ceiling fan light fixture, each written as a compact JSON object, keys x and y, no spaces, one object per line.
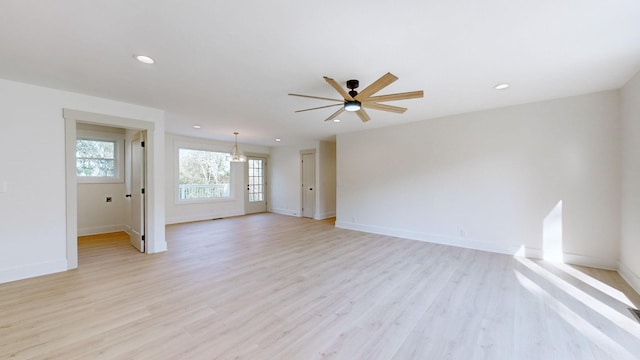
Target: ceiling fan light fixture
{"x":352,"y":105}
{"x":236,"y":156}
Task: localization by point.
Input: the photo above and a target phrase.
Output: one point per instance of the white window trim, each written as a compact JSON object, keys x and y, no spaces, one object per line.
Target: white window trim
{"x":200,"y":147}
{"x":119,"y":156}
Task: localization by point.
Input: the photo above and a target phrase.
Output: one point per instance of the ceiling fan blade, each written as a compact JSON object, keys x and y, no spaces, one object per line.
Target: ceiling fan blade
{"x":374,"y":105}
{"x":363,"y":115}
{"x":398,"y":96}
{"x":337,"y":86}
{"x":376,"y":86}
{"x":335,"y":114}
{"x":315,"y":97}
{"x":319,"y":107}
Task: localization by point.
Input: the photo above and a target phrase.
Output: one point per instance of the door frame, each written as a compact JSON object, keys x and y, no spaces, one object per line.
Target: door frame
{"x":315,"y":180}
{"x":156,"y":241}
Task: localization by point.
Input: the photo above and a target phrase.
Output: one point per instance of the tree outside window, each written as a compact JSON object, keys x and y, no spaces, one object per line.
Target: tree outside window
{"x":95,"y":158}
{"x":203,"y":175}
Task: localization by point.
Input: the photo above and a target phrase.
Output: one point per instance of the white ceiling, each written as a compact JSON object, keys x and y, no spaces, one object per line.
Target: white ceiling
{"x":229,"y":65}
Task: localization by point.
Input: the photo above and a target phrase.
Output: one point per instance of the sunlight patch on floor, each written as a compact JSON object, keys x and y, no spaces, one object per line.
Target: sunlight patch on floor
{"x":622,"y":321}
{"x":576,"y":321}
{"x":595,"y":283}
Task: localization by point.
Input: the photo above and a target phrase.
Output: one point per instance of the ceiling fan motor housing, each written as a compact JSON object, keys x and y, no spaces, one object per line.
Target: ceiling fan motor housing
{"x":353,"y":84}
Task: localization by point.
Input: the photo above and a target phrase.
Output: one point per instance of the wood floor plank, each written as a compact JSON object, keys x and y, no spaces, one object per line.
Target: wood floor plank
{"x":268,"y":286}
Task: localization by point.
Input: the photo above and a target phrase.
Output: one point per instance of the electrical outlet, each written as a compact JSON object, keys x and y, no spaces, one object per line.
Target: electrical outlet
{"x":109,"y":199}
{"x":463,"y":232}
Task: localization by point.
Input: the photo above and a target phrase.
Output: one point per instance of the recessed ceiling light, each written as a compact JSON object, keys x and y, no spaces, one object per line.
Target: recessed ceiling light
{"x":196,"y":126}
{"x":336,"y":120}
{"x":278,"y":140}
{"x":144,"y":59}
{"x":501,"y":86}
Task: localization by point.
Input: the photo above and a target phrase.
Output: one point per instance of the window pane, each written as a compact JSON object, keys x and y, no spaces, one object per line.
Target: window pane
{"x":95,"y":158}
{"x":256,"y":180}
{"x":95,"y":149}
{"x":203,"y":175}
{"x":95,"y":167}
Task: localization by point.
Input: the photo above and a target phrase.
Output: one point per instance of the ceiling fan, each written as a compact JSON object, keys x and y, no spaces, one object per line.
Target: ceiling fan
{"x":356,"y":102}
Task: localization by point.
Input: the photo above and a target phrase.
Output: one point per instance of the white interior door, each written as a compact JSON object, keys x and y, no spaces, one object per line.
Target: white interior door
{"x":308,"y":184}
{"x":255,"y":176}
{"x":138,"y":165}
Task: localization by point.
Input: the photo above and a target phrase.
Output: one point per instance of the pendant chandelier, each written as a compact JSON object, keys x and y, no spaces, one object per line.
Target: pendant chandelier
{"x":236,"y":156}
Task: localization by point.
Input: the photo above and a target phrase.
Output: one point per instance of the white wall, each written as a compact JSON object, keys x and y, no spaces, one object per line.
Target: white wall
{"x":488,"y":180}
{"x":95,"y":214}
{"x":326,"y":180}
{"x":630,"y":239}
{"x":177,"y":212}
{"x":33,"y":237}
{"x":285,"y":178}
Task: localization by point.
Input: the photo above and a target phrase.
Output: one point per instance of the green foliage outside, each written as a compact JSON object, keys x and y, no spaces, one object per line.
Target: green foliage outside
{"x":203,"y":174}
{"x":95,"y":158}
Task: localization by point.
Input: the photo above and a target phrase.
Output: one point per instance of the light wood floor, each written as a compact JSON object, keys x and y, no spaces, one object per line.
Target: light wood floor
{"x":275,"y":287}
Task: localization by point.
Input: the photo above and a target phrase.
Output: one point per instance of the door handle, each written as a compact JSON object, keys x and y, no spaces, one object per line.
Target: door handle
{"x":128,"y":195}
{"x":310,"y":188}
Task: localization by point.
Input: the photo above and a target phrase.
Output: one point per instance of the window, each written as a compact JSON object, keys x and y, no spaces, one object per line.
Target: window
{"x":99,"y":155}
{"x":96,"y":158}
{"x":203,"y":175}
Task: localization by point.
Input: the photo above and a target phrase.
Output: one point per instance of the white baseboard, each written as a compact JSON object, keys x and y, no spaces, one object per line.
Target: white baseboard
{"x":32,"y":270}
{"x":590,"y":262}
{"x":629,"y":276}
{"x":100,"y":230}
{"x":432,"y":238}
{"x":200,"y":217}
{"x":282,"y":211}
{"x":158,"y":247}
{"x":469,"y":243}
{"x":326,"y":215}
{"x":573,"y":259}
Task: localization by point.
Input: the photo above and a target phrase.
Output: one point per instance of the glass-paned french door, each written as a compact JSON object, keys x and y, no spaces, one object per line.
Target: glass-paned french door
{"x":256,"y":184}
{"x":256,"y":179}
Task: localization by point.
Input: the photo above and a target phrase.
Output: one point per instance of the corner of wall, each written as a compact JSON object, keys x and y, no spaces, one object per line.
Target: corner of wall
{"x":629,"y":276}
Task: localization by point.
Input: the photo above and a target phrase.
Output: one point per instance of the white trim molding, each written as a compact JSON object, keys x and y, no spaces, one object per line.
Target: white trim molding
{"x":33,"y":270}
{"x":432,"y":238}
{"x":102,"y":230}
{"x":288,"y":212}
{"x":326,"y":215}
{"x":202,"y":217}
{"x":469,"y":243}
{"x":629,"y":276}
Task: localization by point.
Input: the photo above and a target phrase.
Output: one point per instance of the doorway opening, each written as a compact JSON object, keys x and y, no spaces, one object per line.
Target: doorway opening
{"x":72,"y":118}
